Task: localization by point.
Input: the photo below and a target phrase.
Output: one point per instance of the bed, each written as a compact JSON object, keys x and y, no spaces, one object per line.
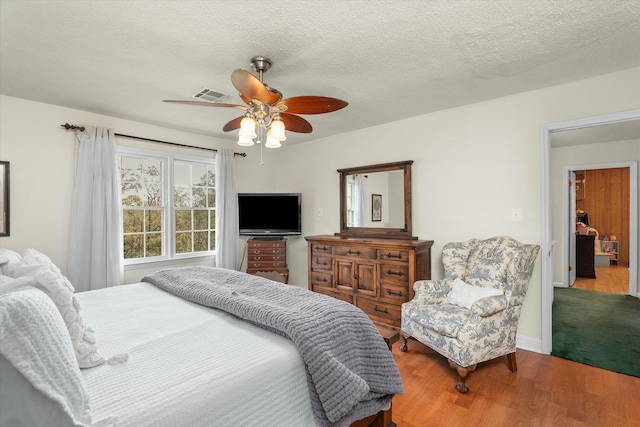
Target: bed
{"x":150,"y":356}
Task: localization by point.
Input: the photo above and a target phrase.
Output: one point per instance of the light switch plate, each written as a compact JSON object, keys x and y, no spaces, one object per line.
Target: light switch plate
{"x":516,"y":214}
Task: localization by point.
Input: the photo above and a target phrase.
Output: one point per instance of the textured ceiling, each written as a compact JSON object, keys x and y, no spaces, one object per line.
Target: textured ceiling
{"x":389,"y":59}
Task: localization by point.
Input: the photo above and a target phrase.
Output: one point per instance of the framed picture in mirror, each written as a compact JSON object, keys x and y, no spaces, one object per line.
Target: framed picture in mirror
{"x":376,"y":207}
{"x":4,"y":198}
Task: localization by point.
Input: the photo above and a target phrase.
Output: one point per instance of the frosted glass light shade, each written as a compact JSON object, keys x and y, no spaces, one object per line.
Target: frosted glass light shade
{"x":272,"y":143}
{"x":277,"y":130}
{"x":245,"y":141}
{"x":247,"y":128}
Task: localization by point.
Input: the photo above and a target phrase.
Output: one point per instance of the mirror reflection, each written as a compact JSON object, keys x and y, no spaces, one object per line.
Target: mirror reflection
{"x":375,"y":199}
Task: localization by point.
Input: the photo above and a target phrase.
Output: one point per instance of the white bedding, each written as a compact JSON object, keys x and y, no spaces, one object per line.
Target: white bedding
{"x":189,"y":365}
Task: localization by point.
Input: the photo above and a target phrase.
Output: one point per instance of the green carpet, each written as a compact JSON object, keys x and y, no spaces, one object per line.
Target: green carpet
{"x":597,"y":329}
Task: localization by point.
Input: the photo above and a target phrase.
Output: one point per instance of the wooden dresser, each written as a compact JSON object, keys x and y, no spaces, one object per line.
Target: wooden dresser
{"x":267,"y":255}
{"x":585,"y":256}
{"x":376,"y":275}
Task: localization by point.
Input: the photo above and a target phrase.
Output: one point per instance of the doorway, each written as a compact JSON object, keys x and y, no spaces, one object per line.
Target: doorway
{"x":548,"y":242}
{"x":598,"y":199}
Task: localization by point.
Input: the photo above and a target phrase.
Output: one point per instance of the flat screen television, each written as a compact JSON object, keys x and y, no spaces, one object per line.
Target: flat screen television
{"x":269,"y":214}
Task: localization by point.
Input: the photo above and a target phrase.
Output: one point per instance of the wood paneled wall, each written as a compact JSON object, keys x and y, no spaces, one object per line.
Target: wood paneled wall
{"x":606,"y":200}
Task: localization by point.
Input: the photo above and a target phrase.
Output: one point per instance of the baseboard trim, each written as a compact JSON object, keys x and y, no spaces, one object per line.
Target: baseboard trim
{"x":529,"y":344}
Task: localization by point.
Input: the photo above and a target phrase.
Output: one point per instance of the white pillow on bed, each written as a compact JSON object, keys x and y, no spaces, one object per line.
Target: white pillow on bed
{"x":35,"y":342}
{"x":8,"y":258}
{"x":37,"y":270}
{"x":82,"y":336}
{"x":464,"y":295}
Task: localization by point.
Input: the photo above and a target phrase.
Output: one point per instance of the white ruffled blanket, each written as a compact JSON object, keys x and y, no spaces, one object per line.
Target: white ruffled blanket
{"x":35,"y":340}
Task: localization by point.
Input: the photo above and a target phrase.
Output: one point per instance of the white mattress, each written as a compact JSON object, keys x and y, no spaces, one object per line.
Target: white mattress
{"x":189,"y":365}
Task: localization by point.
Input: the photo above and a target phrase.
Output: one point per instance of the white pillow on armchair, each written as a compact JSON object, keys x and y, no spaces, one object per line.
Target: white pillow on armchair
{"x":464,"y":295}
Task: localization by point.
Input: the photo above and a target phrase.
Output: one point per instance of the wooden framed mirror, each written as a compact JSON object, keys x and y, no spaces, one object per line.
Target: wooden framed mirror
{"x":375,"y":201}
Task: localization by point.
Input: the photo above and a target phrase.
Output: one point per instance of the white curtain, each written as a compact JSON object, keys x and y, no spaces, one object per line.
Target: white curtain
{"x":227,"y":231}
{"x":95,"y":232}
{"x":358,"y":201}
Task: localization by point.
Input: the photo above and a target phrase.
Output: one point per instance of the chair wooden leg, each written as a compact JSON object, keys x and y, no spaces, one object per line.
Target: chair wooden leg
{"x":461,"y":386}
{"x":403,"y":345}
{"x":511,"y":362}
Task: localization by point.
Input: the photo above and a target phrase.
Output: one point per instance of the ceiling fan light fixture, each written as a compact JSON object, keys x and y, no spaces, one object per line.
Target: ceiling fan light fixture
{"x":276,"y":129}
{"x":247,"y":128}
{"x":245,"y":141}
{"x":271,"y":142}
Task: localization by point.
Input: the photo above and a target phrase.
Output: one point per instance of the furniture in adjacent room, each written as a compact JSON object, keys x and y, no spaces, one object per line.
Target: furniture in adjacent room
{"x":471,"y":316}
{"x":612,"y":249}
{"x":585,"y":259}
{"x":374,"y":274}
{"x":267,"y":255}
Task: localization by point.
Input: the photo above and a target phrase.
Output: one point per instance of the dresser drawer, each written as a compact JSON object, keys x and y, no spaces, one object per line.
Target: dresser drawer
{"x":323,"y":263}
{"x":355,"y":252}
{"x":268,"y":258}
{"x":333,"y":293}
{"x":320,"y":249}
{"x":393,"y":255}
{"x":321,"y":279}
{"x":267,"y":251}
{"x":397,"y":273}
{"x":259,"y":244}
{"x":266,"y":265}
{"x":380,"y":311}
{"x":393,"y":293}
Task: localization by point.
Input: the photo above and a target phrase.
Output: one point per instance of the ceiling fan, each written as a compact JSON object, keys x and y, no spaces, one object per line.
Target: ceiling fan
{"x":266,"y":109}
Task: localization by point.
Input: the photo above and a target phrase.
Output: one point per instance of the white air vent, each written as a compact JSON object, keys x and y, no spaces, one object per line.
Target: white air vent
{"x":211,"y":95}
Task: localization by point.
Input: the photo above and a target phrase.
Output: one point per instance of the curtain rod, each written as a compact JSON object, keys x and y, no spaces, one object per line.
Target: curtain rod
{"x":67,"y":126}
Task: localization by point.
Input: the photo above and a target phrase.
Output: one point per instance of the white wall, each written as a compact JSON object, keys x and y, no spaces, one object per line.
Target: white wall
{"x":587,"y":154}
{"x":42,"y":161}
{"x":472,"y":164}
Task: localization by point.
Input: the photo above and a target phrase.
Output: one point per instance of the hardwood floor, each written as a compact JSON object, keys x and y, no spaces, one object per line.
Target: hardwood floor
{"x":546,"y":391}
{"x":613,"y":279}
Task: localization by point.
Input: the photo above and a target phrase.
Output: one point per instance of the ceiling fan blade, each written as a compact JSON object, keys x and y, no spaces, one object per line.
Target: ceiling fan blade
{"x":295,"y":123}
{"x":274,"y":95}
{"x":206,"y":104}
{"x":312,"y":104}
{"x":233,"y":124}
{"x":249,"y":86}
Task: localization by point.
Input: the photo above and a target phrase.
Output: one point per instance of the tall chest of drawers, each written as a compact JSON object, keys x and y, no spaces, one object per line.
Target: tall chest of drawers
{"x":376,"y":275}
{"x":267,"y":255}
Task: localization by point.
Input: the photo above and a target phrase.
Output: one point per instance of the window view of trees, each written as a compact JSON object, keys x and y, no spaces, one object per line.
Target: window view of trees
{"x":142,"y":206}
{"x":145,"y":210}
{"x":194,"y":200}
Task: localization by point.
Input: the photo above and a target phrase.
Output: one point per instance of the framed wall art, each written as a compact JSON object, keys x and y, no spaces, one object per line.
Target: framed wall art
{"x":376,"y":207}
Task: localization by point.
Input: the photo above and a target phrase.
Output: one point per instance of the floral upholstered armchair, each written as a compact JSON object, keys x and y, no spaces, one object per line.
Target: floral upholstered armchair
{"x":471,"y":316}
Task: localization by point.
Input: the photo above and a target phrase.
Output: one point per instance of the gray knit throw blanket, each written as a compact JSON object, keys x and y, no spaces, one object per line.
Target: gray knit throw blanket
{"x":351,"y":372}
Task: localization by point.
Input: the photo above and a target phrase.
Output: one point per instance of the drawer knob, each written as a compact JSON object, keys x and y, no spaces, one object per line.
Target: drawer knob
{"x":318,"y":279}
{"x":390,"y":292}
{"x":382,"y":310}
{"x":390,"y":255}
{"x":395,"y":273}
{"x":350,"y":252}
{"x":258,"y":258}
{"x":320,"y":263}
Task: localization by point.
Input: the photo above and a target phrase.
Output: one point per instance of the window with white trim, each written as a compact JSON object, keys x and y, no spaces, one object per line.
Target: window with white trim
{"x":168,"y":205}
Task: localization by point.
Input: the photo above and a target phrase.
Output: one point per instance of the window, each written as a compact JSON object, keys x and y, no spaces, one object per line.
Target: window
{"x":168,"y":206}
{"x":350,"y":202}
